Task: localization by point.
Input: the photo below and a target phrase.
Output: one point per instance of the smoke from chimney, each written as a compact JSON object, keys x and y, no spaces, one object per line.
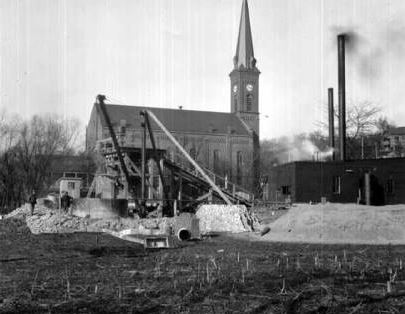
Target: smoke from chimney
{"x":369,"y":55}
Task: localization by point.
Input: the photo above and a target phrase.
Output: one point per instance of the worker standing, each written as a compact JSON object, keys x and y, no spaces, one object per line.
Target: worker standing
{"x":32,"y":200}
{"x":66,"y":200}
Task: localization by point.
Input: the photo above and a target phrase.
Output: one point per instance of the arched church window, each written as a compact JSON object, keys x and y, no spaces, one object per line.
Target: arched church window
{"x":249,"y":100}
{"x":235,"y":103}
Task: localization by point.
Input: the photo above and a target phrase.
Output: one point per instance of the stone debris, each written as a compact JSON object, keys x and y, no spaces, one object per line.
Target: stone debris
{"x":226,"y":218}
{"x":48,"y":220}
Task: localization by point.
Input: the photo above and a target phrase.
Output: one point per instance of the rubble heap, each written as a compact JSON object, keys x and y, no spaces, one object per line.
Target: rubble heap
{"x":25,"y":210}
{"x":226,"y":218}
{"x":48,"y":220}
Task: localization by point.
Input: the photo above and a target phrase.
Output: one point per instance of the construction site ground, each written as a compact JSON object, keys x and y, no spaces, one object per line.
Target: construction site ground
{"x":90,"y":272}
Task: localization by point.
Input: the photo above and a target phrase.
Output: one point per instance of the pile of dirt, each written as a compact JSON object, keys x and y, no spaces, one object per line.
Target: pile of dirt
{"x":340,"y":223}
{"x":226,"y":218}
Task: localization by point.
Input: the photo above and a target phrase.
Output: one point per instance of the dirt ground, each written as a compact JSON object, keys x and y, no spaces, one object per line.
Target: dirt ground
{"x":96,"y":273}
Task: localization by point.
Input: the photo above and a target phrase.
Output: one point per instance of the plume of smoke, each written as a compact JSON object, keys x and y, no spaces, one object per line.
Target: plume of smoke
{"x":300,"y":148}
{"x":368,"y":54}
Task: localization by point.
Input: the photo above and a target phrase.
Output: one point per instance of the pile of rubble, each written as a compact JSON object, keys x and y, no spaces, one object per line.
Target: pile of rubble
{"x":25,"y":210}
{"x":225,"y":218}
{"x":53,"y":222}
{"x":209,"y":219}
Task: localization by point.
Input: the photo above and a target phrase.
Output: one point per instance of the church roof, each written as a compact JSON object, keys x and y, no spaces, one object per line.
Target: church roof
{"x":178,"y":120}
{"x":244,"y":56}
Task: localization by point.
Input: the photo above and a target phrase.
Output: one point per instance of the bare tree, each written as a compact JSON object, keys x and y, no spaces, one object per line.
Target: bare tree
{"x":362,"y":119}
{"x":365,"y":127}
{"x":26,"y":150}
{"x":39,"y":139}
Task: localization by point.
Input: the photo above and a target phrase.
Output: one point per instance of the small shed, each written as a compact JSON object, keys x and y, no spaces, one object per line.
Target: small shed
{"x":70,"y":185}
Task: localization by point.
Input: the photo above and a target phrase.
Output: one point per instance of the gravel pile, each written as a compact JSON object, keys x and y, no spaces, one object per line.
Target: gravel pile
{"x":225,"y":218}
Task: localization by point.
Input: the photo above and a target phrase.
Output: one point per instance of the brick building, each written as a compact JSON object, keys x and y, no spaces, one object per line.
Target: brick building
{"x":226,"y":143}
{"x":341,"y":182}
{"x":394,"y":143}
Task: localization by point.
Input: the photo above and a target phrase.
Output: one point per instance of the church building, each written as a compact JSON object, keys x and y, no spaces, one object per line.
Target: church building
{"x":225,"y":143}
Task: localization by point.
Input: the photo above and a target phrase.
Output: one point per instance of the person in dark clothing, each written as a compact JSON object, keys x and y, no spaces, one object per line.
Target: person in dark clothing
{"x":65,"y":201}
{"x":32,"y":200}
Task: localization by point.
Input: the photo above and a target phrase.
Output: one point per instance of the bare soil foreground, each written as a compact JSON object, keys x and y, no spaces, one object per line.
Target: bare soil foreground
{"x":96,"y":273}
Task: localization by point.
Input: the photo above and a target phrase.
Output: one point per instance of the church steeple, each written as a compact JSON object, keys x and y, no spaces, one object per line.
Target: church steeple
{"x":244,"y":56}
{"x":245,"y":75}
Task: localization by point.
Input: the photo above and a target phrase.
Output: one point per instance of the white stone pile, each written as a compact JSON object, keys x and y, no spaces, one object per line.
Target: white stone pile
{"x":226,"y":218}
{"x":53,"y":222}
{"x":25,"y":210}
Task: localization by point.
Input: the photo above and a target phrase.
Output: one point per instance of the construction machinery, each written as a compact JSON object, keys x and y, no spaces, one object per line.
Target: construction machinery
{"x":176,"y":187}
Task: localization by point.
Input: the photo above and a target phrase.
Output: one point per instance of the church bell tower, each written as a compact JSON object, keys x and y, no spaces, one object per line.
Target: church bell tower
{"x":245,"y":76}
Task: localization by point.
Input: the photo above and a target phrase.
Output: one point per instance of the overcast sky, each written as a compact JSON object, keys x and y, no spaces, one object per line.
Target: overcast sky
{"x":57,"y":55}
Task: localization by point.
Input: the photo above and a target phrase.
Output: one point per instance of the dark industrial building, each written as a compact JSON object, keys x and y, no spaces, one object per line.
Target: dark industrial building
{"x":338,"y":181}
{"x":365,"y":181}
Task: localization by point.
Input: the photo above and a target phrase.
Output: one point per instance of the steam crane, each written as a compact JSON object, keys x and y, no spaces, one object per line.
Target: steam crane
{"x":123,"y":167}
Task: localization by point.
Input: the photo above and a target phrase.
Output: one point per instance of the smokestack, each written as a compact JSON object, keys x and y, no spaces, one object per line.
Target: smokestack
{"x":331,"y":122}
{"x":342,"y":96}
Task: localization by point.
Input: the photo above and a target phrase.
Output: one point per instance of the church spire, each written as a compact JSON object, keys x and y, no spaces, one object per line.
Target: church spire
{"x":244,"y":57}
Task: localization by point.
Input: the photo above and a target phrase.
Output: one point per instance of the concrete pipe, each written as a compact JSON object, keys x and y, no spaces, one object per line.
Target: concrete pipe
{"x":183,"y":234}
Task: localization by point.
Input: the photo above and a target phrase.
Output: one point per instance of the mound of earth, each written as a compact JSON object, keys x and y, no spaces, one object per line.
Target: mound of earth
{"x":340,"y":223}
{"x":226,"y":218}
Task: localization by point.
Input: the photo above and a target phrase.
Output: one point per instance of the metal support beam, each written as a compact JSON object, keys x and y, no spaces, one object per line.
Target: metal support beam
{"x":156,"y":157}
{"x":180,"y":195}
{"x":139,"y":173}
{"x":117,"y":148}
{"x":143,"y":167}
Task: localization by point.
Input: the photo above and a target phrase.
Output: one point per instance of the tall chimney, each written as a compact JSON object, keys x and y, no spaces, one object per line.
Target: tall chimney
{"x":342,"y":96}
{"x":331,"y":122}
